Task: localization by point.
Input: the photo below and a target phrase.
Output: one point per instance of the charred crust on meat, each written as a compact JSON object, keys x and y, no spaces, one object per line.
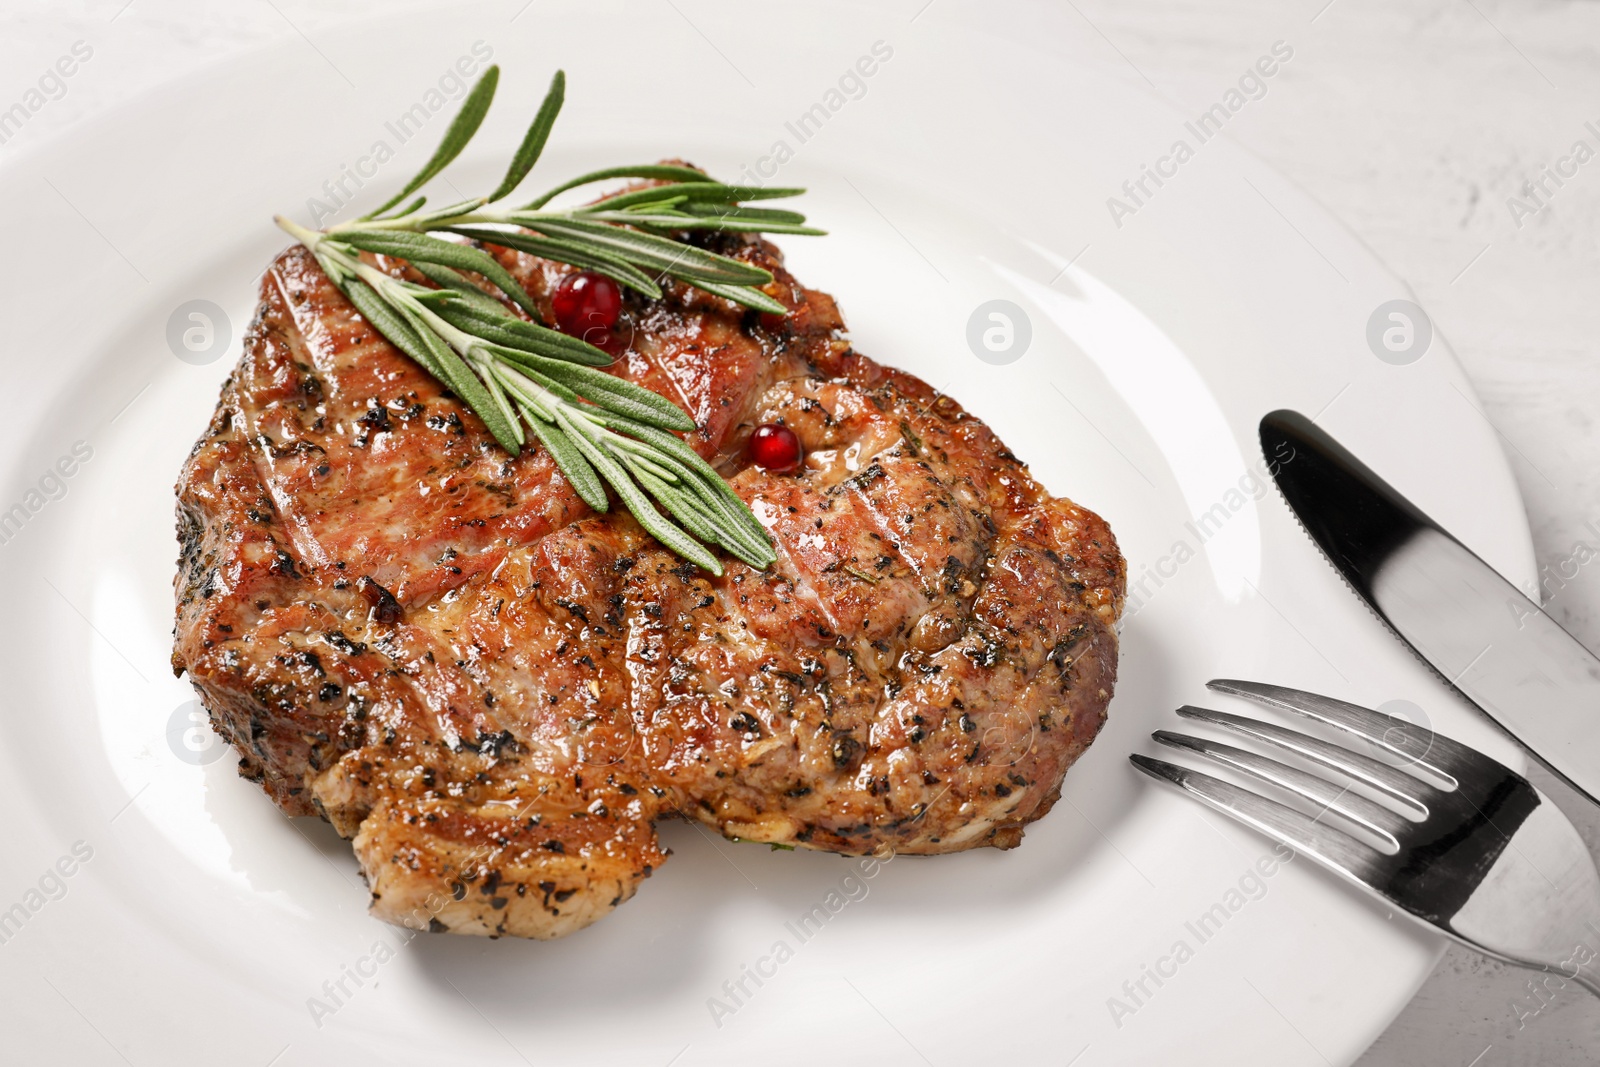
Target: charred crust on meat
{"x":384,"y":607}
{"x":845,"y":750}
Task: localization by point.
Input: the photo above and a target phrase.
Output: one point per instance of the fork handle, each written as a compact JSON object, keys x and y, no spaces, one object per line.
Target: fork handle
{"x":1539,"y":904}
{"x":1588,"y":983}
{"x":1583,"y":974}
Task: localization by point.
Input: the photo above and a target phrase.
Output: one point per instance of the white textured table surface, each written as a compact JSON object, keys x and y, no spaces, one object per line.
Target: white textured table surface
{"x":1414,"y":121}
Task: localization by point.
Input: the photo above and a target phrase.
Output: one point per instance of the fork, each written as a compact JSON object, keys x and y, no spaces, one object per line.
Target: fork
{"x":1463,"y":843}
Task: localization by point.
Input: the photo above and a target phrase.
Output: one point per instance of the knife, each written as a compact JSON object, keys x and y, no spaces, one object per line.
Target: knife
{"x":1478,"y":631}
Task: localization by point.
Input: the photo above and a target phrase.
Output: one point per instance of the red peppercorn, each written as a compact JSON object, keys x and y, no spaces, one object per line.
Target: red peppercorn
{"x":586,"y":305}
{"x":775,"y":447}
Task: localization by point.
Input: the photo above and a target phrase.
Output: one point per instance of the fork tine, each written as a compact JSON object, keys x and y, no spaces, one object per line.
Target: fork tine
{"x":1396,"y":783}
{"x":1333,"y":848}
{"x":1405,"y":739}
{"x":1339,"y":799}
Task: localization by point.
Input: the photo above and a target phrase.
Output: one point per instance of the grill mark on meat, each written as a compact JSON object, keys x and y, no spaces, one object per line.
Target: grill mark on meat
{"x":441,"y":650}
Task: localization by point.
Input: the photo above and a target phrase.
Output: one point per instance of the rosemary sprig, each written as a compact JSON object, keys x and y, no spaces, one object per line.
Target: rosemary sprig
{"x":525,"y":380}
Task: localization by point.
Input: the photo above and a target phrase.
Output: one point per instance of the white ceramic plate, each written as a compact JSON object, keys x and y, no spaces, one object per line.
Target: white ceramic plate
{"x":973,"y":164}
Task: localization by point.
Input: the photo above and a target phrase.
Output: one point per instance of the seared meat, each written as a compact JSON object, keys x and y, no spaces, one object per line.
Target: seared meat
{"x":496,"y":692}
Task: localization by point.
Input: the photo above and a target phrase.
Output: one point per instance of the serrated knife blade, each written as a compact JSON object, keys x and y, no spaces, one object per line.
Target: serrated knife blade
{"x":1481,"y":634}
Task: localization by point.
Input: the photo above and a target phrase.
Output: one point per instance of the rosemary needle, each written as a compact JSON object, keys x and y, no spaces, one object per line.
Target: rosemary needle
{"x":529,"y":383}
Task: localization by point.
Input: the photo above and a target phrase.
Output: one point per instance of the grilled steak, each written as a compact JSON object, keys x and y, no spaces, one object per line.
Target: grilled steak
{"x":496,"y":693}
